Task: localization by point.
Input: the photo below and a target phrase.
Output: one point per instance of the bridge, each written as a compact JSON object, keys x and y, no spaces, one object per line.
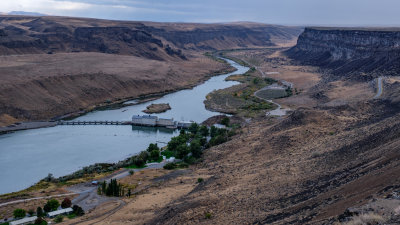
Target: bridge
{"x":94,"y":123}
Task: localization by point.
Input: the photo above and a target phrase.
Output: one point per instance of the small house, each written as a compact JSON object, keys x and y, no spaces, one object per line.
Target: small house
{"x":26,"y":220}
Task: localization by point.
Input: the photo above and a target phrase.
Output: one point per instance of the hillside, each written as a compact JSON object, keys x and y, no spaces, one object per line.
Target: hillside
{"x":372,"y":52}
{"x":51,"y":66}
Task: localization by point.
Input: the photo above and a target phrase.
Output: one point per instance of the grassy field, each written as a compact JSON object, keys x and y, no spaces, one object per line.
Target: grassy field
{"x":240,"y":99}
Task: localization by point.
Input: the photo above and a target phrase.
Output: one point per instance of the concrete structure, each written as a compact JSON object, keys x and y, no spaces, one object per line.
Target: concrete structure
{"x":184,"y":124}
{"x":27,"y":220}
{"x":165,"y":122}
{"x":145,"y":120}
{"x":60,"y":212}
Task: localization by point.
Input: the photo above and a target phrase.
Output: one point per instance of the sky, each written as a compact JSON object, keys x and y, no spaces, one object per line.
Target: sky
{"x":286,"y":12}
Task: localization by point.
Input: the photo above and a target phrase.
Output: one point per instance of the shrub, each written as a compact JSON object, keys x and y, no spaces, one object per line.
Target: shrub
{"x":19,"y":213}
{"x":208,"y":215}
{"x":182,"y":150}
{"x":152,"y":147}
{"x":194,"y":128}
{"x":195,"y":149}
{"x":51,"y":205}
{"x":204,"y":131}
{"x":31,"y":212}
{"x":39,"y":212}
{"x":66,"y":203}
{"x":59,"y":219}
{"x":170,"y":166}
{"x":168,"y":154}
{"x":40,"y":221}
{"x":199,"y":180}
{"x":218,"y":140}
{"x":154,"y":155}
{"x":77,"y":210}
{"x":71,"y":216}
{"x":131,"y":172}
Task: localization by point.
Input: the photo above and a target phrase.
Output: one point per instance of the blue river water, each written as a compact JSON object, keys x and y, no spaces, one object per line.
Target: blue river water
{"x":28,"y":156}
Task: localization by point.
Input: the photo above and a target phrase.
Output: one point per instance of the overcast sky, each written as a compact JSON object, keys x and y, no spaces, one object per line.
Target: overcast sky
{"x":289,"y":12}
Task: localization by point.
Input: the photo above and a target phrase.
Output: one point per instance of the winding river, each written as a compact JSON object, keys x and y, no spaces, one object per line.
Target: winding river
{"x":28,"y":156}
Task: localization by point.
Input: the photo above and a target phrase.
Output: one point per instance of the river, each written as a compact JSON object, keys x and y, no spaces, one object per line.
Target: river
{"x":28,"y":156}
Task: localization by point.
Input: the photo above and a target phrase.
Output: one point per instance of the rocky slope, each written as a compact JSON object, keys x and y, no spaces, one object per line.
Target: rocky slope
{"x":372,"y":51}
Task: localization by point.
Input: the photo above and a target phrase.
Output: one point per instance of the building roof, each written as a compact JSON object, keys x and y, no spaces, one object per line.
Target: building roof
{"x":61,"y":211}
{"x":24,"y":220}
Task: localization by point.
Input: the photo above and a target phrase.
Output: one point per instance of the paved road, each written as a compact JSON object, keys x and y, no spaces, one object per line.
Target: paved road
{"x":380,"y":88}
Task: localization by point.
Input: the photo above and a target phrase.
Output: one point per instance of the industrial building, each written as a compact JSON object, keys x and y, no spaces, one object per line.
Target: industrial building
{"x":145,"y":120}
{"x":165,"y":122}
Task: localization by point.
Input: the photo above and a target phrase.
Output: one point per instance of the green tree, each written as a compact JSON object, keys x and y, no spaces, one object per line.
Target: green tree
{"x":51,"y":205}
{"x":195,"y":148}
{"x":181,"y":151}
{"x":213,"y":131}
{"x":59,"y":219}
{"x":40,"y":221}
{"x":152,"y":147}
{"x":204,"y":131}
{"x":218,"y":140}
{"x":194,"y":128}
{"x":19,"y":213}
{"x":225,"y":121}
{"x":31,"y":212}
{"x":39,"y":212}
{"x":66,"y":203}
{"x":77,"y":210}
{"x":154,"y":155}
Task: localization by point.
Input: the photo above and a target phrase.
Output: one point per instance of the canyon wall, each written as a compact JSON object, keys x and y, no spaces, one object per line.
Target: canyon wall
{"x":371,"y":52}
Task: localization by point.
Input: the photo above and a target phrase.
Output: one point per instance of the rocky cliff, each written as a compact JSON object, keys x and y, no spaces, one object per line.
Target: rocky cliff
{"x":222,"y":36}
{"x":350,"y":51}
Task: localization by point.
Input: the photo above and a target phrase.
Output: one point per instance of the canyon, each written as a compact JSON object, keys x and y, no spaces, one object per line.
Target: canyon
{"x":78,"y":64}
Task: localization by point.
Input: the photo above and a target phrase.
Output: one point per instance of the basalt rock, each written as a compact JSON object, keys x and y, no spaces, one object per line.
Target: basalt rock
{"x":350,"y":51}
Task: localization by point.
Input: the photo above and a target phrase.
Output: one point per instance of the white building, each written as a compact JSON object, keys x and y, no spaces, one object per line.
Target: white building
{"x":27,"y":220}
{"x":60,"y":212}
{"x":145,"y":120}
{"x":165,"y":122}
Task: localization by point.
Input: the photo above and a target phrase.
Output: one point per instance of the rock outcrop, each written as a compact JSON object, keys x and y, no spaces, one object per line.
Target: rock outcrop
{"x":350,"y":51}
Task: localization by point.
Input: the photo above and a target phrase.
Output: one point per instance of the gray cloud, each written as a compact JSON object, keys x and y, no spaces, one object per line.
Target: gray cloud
{"x":320,"y":12}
